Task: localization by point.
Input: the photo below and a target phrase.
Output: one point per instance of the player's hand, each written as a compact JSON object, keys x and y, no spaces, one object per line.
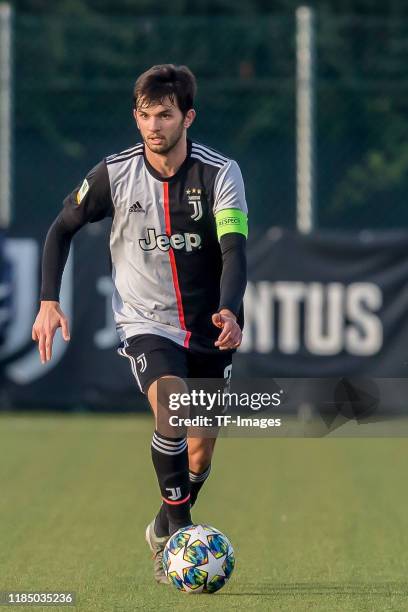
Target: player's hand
{"x":50,"y":317}
{"x":231,"y":335}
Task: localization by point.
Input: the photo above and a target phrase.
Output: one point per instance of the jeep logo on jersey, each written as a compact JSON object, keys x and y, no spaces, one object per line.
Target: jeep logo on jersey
{"x":163,"y":242}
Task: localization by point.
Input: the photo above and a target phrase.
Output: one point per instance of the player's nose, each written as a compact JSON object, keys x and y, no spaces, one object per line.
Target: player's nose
{"x":154,"y":124}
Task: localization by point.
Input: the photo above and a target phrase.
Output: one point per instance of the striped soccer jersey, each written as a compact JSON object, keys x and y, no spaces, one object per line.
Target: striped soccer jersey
{"x":165,"y":253}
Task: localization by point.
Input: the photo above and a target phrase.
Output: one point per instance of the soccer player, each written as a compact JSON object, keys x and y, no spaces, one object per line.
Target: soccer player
{"x":177,"y":243}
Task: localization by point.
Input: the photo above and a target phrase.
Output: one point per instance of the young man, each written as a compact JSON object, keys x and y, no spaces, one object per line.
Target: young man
{"x":179,"y":228}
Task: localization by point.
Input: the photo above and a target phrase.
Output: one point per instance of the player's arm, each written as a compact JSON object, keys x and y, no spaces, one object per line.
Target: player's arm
{"x":89,"y":202}
{"x":231,"y":217}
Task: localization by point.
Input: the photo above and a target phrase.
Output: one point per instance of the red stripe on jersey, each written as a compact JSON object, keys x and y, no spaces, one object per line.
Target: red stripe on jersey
{"x":173,"y":265}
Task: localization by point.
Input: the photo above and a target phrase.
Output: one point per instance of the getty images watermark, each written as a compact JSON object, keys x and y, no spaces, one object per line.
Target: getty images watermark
{"x":284,"y":407}
{"x":207,"y":401}
{"x":209,"y":407}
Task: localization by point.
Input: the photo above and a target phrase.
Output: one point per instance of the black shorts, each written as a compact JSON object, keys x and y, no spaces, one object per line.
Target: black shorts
{"x":152,"y":356}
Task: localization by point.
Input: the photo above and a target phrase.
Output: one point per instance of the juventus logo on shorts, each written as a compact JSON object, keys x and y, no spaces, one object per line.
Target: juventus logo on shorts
{"x":227,"y":385}
{"x":142,"y":362}
{"x":227,"y":374}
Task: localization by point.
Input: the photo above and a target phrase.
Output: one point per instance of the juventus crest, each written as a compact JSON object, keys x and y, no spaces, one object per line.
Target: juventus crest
{"x":194,"y":198}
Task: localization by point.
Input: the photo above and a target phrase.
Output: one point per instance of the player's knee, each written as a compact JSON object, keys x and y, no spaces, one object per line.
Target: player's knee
{"x":162,"y":392}
{"x":163,"y":395}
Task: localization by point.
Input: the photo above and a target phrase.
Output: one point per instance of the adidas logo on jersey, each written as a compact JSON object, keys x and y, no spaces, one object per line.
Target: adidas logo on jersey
{"x":163,"y":242}
{"x":136,"y":207}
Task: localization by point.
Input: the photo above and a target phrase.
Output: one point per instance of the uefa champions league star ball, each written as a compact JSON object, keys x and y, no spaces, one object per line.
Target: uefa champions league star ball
{"x":198,"y":559}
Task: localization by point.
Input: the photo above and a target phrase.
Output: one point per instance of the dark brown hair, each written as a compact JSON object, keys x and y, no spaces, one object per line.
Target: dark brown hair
{"x":177,"y":83}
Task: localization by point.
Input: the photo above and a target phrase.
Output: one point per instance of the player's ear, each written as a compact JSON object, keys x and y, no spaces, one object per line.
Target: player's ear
{"x":135,"y":118}
{"x":189,"y":117}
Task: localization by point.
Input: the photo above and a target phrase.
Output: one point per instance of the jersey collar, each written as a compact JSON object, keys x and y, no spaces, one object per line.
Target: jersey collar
{"x":168,"y":179}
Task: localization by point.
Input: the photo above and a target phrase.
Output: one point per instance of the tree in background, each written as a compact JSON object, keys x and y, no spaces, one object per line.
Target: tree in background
{"x":77,"y":59}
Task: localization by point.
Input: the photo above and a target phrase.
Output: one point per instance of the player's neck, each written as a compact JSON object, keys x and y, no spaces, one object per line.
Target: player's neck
{"x":168,"y":164}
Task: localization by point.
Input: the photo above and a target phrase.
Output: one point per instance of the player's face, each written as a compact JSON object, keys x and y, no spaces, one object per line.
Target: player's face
{"x":162,"y":125}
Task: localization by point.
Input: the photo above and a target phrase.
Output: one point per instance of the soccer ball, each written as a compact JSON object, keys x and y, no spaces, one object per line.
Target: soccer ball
{"x":198,"y":559}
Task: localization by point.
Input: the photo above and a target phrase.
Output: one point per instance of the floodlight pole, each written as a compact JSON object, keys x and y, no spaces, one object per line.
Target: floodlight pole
{"x":305,"y":124}
{"x":6,"y":15}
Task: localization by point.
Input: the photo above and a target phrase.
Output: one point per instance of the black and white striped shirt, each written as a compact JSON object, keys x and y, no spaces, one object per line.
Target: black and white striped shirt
{"x":166,"y":257}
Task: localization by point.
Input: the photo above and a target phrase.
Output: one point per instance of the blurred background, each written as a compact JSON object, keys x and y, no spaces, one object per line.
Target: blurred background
{"x":313,"y":106}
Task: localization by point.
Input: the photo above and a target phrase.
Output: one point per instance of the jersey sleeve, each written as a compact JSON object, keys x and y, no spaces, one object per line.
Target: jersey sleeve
{"x":230,"y":207}
{"x":234,"y":272}
{"x":91,"y":200}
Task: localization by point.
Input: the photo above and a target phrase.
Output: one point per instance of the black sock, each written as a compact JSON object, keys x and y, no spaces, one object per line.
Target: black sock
{"x":161,"y":522}
{"x":170,"y":460}
{"x":196,"y":482}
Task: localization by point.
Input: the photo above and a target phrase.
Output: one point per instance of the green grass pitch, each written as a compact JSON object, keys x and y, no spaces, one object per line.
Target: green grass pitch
{"x":317,"y":524}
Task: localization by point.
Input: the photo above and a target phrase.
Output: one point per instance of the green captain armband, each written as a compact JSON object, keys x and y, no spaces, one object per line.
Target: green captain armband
{"x":231,"y":220}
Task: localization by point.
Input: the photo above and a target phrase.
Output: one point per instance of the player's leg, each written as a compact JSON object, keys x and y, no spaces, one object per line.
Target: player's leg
{"x":159,"y":366}
{"x":153,"y":357}
{"x":216,"y":369}
{"x":170,"y":457}
{"x":200,"y":452}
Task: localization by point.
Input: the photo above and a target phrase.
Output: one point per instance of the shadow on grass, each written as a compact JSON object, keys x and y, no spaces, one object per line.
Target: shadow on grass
{"x":355,"y":589}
